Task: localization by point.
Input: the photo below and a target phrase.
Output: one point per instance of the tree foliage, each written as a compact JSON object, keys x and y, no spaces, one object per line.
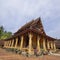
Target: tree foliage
{"x":4,"y":34}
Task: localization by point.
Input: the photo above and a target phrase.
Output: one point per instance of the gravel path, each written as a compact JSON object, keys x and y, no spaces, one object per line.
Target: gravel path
{"x":4,"y":55}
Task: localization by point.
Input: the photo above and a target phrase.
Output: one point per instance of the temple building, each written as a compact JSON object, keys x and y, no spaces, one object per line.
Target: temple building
{"x":31,"y":36}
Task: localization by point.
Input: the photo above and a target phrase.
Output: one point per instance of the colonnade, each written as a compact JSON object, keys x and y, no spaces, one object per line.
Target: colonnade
{"x":46,"y":45}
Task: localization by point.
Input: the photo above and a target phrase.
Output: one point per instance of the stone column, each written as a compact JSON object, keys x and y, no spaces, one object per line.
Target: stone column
{"x":9,"y":43}
{"x":38,"y":44}
{"x":44,"y":45}
{"x":5,"y":44}
{"x":54,"y":47}
{"x":21,"y":44}
{"x":30,"y":43}
{"x":48,"y":46}
{"x":12,"y":43}
{"x":16,"y":42}
{"x":51,"y":44}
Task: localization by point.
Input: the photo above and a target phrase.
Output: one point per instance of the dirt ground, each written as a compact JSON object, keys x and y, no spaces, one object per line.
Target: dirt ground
{"x":4,"y":55}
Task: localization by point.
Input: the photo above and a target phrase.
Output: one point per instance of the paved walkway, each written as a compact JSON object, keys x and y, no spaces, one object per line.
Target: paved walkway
{"x":4,"y":55}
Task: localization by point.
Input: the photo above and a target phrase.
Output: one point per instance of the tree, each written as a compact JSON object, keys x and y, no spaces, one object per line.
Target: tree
{"x":1,"y":31}
{"x":4,"y":34}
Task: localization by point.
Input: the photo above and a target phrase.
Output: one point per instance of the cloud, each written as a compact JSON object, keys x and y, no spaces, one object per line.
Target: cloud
{"x":15,"y":13}
{"x":54,"y":32}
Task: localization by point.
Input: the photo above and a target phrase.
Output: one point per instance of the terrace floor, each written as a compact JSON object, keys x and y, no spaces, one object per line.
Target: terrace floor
{"x":5,"y":55}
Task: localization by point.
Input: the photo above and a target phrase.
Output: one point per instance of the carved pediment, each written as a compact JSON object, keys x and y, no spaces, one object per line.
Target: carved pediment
{"x":38,"y":26}
{"x":34,"y":24}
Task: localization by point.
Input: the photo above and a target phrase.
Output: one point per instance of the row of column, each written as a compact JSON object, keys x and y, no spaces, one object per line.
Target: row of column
{"x":51,"y":45}
{"x":9,"y":44}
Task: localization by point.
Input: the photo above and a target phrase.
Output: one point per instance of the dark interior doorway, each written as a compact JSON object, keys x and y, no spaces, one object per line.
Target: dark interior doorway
{"x":26,"y":41}
{"x":14,"y":42}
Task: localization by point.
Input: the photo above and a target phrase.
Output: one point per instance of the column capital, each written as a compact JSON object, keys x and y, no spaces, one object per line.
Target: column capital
{"x":22,"y":37}
{"x":30,"y":35}
{"x":38,"y":37}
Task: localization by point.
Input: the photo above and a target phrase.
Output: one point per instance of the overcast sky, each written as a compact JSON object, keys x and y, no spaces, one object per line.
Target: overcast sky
{"x":16,"y":13}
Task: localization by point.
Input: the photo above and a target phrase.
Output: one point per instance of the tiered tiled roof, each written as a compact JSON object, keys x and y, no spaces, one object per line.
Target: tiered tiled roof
{"x":33,"y":26}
